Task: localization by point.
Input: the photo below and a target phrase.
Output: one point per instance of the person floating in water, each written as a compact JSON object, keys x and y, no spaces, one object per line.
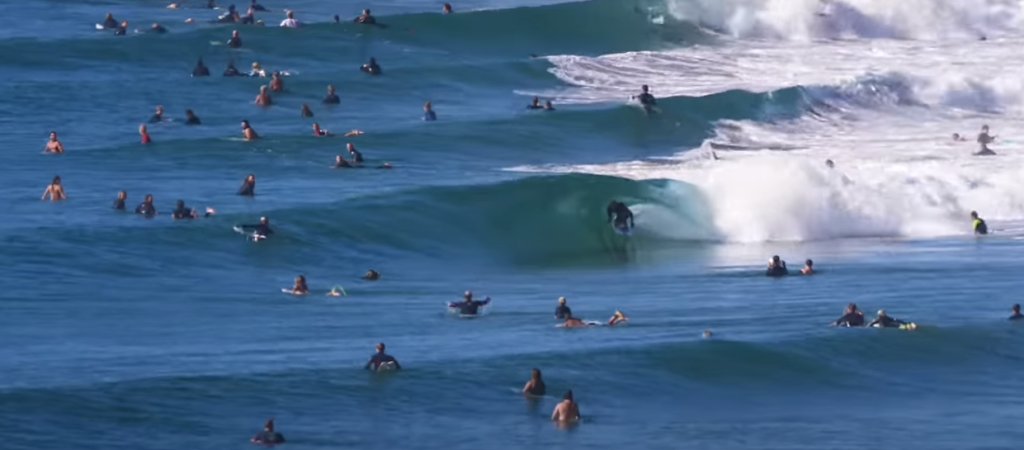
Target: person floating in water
{"x":54,"y":191}
{"x":978,"y":224}
{"x":184,"y":212}
{"x":646,"y":99}
{"x":248,"y":133}
{"x":884,"y":321}
{"x":562,"y":311}
{"x":299,"y":287}
{"x":446,"y":8}
{"x":306,"y":112}
{"x":109,"y":22}
{"x":191,"y":118}
{"x":548,"y":106}
{"x":617,"y":318}
{"x":830,"y":164}
{"x":260,"y":229}
{"x":365,"y":18}
{"x":535,"y":387}
{"x":958,"y":138}
{"x":144,"y":134}
{"x":263,"y":98}
{"x":236,"y":40}
{"x":371,"y":275}
{"x":331,"y":98}
{"x":621,"y":213}
{"x":341,"y":163}
{"x":468,"y":306}
{"x":146,"y":208}
{"x":381,"y":358}
{"x":567,"y":411}
{"x":852,"y":317}
{"x":157,"y":28}
{"x":1015,"y":309}
{"x":158,"y":115}
{"x":122,"y":30}
{"x":290,"y":22}
{"x":276,"y":82}
{"x":319,"y":132}
{"x":53,"y":145}
{"x":357,"y":157}
{"x":776,"y":267}
{"x":983,"y":140}
{"x":248,"y":188}
{"x":428,"y":113}
{"x":371,"y":67}
{"x":200,"y":70}
{"x":119,"y":201}
{"x":808,"y":268}
{"x":268,"y":436}
{"x":231,"y":70}
{"x":535,"y":103}
{"x":257,"y":71}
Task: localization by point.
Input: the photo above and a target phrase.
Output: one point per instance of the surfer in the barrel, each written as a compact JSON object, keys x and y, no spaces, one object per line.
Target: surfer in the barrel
{"x":621,"y":214}
{"x":380,"y":358}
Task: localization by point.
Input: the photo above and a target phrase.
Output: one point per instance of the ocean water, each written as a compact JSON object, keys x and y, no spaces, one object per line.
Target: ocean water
{"x":119,"y":332}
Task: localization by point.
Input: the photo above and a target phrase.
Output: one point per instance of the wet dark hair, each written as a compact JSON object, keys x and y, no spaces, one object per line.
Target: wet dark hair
{"x":568,"y":395}
{"x":809,"y":262}
{"x":181,"y":203}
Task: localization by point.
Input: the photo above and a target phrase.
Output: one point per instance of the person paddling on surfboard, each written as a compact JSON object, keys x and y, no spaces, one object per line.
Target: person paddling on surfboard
{"x":852,"y":317}
{"x":884,"y":321}
{"x":621,"y":213}
{"x":381,"y":358}
{"x":299,"y":287}
{"x":262,"y":229}
{"x":468,"y":306}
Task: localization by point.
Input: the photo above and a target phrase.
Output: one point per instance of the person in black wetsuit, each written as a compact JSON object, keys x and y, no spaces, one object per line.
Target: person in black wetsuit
{"x":119,"y":202}
{"x":261,"y":229}
{"x":852,"y":317}
{"x":331,"y":98}
{"x":621,"y":214}
{"x":381,"y":358}
{"x":231,"y":70}
{"x":1016,"y":312}
{"x":256,"y":6}
{"x":268,"y":436}
{"x":122,"y":30}
{"x":884,"y":321}
{"x":201,"y":70}
{"x":235,"y":41}
{"x":157,"y":28}
{"x":191,"y":118}
{"x":535,"y":387}
{"x":183,"y":212}
{"x":535,"y":104}
{"x":468,"y":306}
{"x":776,"y":267}
{"x":146,"y":208}
{"x":562,"y":311}
{"x":371,"y":67}
{"x":158,"y":115}
{"x":109,"y":22}
{"x":357,"y":157}
{"x":978,"y":224}
{"x":365,"y":18}
{"x":646,"y":99}
{"x":341,"y":163}
{"x":248,"y":188}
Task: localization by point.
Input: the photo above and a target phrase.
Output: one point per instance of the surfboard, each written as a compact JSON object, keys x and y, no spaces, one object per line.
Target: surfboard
{"x":249,"y":234}
{"x":289,"y":291}
{"x":386,"y":367}
{"x":100,"y":27}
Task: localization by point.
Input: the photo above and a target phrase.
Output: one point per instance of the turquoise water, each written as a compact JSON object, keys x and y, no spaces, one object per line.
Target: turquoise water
{"x":125,"y":333}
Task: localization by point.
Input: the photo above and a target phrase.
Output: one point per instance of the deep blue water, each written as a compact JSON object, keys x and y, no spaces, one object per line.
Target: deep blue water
{"x":119,"y":332}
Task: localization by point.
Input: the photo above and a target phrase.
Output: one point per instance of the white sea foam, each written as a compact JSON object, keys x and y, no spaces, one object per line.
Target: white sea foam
{"x":892,"y":106}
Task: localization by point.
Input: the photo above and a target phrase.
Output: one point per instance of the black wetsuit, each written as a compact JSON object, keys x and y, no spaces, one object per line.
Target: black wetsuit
{"x":343,"y":164}
{"x":260,"y":229}
{"x":159,"y":29}
{"x":235,"y":42}
{"x":146,"y":209}
{"x":184,"y":213}
{"x":980,"y":227}
{"x":886,"y":322}
{"x":156,"y":118}
{"x":1017,"y":316}
{"x":331,"y":99}
{"x":366,"y":20}
{"x":248,"y":189}
{"x":111,"y":23}
{"x":381,"y":358}
{"x":356,"y":156}
{"x":469,"y":307}
{"x":621,"y":214}
{"x":231,"y":71}
{"x":120,"y":31}
{"x":257,"y":7}
{"x":269,"y":437}
{"x":372,"y":69}
{"x":247,"y":19}
{"x":532,"y":106}
{"x":778,"y":270}
{"x":119,"y":204}
{"x":201,"y":71}
{"x":193,"y":120}
{"x":647,"y":100}
{"x":563,"y":312}
{"x":851,"y":319}
{"x":538,"y":389}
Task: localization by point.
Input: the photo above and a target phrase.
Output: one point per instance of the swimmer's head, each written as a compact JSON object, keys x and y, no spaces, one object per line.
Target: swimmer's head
{"x":366,"y":12}
{"x":1015,"y":308}
{"x":122,"y":195}
{"x":535,"y":101}
{"x":881,"y":313}
{"x":53,"y":135}
{"x":189,"y":113}
{"x":373,"y":61}
{"x":301,"y":279}
{"x":829,"y":163}
{"x":149,"y":198}
{"x":706,"y":334}
{"x":109,"y":16}
{"x":468,"y":295}
{"x":561,"y":300}
{"x":776,"y":259}
{"x":426,"y":106}
{"x":234,"y":33}
{"x":250,"y":177}
{"x":568,"y":395}
{"x":337,"y":18}
{"x":547,"y":104}
{"x":809,"y":263}
{"x":851,"y":307}
{"x":264,"y":220}
{"x":447,"y":8}
{"x":619,"y":315}
{"x":984,"y":128}
{"x":644,"y":88}
{"x":974,"y":214}
{"x":290,"y":15}
{"x":350,"y":147}
{"x":269,"y":426}
{"x":180,"y":203}
{"x":56,"y":180}
{"x":956,"y":136}
{"x":330,"y":88}
{"x":256,"y":65}
{"x":380,"y":347}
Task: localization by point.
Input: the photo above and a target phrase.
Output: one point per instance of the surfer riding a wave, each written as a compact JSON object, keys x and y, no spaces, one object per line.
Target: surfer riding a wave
{"x":621,"y":213}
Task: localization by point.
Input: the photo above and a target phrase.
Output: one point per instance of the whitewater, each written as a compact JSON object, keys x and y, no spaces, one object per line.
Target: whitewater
{"x":883,"y":110}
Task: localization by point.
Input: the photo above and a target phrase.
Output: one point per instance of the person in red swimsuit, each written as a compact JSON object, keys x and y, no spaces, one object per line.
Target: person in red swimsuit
{"x":144,"y":134}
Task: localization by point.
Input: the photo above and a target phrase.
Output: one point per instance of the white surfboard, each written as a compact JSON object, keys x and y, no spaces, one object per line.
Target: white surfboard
{"x":249,"y":234}
{"x":386,"y":367}
{"x":100,"y":27}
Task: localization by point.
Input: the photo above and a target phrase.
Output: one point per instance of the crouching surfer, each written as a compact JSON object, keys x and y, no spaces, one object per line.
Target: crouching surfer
{"x":776,"y":267}
{"x":468,"y":306}
{"x":621,"y":213}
